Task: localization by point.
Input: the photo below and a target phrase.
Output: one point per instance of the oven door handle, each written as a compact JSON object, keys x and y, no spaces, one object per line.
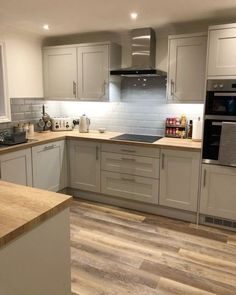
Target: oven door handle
{"x":225,"y":94}
{"x":217,"y":123}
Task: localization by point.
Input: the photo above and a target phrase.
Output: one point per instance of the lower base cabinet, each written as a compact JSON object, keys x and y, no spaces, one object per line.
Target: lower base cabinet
{"x":179,"y":179}
{"x":85,"y":165}
{"x":218,"y":193}
{"x":49,"y":166}
{"x":16,"y":167}
{"x":130,"y":187}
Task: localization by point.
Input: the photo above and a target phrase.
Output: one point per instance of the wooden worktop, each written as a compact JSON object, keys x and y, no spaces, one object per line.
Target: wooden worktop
{"x":22,"y":208}
{"x":41,"y":138}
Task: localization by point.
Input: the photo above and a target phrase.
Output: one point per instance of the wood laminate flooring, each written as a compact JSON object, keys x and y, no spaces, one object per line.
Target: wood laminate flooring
{"x":117,"y":251}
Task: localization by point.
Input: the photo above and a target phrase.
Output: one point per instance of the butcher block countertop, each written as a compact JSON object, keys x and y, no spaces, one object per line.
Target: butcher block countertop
{"x":47,"y":137}
{"x":22,"y":208}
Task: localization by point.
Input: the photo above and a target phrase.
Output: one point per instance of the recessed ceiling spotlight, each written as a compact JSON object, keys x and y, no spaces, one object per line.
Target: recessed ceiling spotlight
{"x":133,"y":15}
{"x":46,"y":27}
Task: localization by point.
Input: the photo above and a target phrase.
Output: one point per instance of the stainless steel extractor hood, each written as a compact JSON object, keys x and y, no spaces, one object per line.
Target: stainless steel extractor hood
{"x":143,"y":54}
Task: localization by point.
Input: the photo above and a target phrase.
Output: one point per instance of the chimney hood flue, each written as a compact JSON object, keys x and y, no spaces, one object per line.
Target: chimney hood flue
{"x":143,"y":55}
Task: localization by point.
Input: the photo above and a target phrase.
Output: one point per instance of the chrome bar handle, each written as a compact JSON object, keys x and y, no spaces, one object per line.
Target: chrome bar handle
{"x":104,"y":87}
{"x":163,"y":161}
{"x":74,"y":88}
{"x":128,"y":151}
{"x":97,"y":153}
{"x":204,"y":177}
{"x":128,"y":159}
{"x":172,"y":86}
{"x":128,"y":179}
{"x":49,"y":147}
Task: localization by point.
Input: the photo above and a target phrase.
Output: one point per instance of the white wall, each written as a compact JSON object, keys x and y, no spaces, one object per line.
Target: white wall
{"x":24,"y":63}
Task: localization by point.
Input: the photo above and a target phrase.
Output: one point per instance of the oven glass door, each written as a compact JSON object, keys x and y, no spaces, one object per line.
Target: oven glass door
{"x":221,"y":103}
{"x":211,"y":140}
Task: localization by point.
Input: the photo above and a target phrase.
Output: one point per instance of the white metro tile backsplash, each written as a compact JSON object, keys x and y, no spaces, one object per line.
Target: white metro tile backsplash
{"x":135,"y":117}
{"x":141,"y":109}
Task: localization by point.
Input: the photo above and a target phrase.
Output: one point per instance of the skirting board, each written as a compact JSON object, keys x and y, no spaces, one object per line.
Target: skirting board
{"x":138,"y":206}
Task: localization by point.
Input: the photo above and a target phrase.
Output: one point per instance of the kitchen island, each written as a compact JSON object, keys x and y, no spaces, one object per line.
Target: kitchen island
{"x":34,"y":241}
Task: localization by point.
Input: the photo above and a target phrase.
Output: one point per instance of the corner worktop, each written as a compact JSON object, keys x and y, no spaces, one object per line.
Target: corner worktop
{"x":107,"y":137}
{"x":22,"y":208}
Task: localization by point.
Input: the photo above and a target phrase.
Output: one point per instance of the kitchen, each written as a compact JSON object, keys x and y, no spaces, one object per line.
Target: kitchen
{"x":142,"y":139}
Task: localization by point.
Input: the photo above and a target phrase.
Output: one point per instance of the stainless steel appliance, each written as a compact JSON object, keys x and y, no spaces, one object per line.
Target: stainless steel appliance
{"x":220,"y":107}
{"x":137,"y":137}
{"x":62,"y":124}
{"x":143,"y":55}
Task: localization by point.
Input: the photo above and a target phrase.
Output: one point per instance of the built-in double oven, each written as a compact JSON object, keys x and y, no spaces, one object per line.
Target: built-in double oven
{"x":220,"y":107}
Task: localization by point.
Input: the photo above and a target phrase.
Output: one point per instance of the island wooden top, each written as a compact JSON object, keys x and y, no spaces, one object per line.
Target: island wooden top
{"x":22,"y":208}
{"x":41,"y":138}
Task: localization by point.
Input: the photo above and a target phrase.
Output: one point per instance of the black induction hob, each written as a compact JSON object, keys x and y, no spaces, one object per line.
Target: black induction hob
{"x":137,"y":137}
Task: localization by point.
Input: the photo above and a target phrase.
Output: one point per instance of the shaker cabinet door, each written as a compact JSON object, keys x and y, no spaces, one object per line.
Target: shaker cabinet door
{"x":60,"y":72}
{"x":179,"y":177}
{"x":16,"y":167}
{"x":218,"y":191}
{"x":85,"y":165}
{"x":222,"y":52}
{"x":49,"y":166}
{"x":186,"y":69}
{"x":93,"y":72}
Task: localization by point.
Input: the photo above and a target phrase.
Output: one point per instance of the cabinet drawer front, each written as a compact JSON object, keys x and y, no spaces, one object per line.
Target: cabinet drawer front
{"x":129,"y":164}
{"x":218,"y":189}
{"x":130,"y":187}
{"x":131,"y":150}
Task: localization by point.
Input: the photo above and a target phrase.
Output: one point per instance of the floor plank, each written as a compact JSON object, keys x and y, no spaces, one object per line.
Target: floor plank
{"x":119,"y":251}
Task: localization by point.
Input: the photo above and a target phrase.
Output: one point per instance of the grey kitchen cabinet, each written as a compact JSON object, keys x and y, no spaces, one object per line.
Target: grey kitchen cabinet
{"x":60,"y":72}
{"x":84,"y":165}
{"x":179,"y":179}
{"x":222,"y":51}
{"x":130,"y":172}
{"x":50,"y":166}
{"x":218,"y":191}
{"x":93,"y":72}
{"x":186,"y":68}
{"x":16,"y":167}
{"x":81,"y":71}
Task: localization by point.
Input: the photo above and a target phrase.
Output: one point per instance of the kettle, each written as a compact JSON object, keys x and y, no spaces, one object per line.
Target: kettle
{"x":84,"y":123}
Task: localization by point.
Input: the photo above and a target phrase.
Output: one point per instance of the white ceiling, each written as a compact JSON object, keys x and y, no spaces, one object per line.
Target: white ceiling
{"x":77,"y":16}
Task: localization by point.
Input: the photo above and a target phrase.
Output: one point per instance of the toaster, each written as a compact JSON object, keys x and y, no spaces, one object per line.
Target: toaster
{"x":62,"y":124}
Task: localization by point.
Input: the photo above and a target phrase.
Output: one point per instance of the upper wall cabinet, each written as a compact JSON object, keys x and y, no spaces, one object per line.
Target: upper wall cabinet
{"x":80,"y":71}
{"x":186,"y":68}
{"x":60,"y":72}
{"x":93,"y":72}
{"x":222,"y":51}
{"x":5,"y":114}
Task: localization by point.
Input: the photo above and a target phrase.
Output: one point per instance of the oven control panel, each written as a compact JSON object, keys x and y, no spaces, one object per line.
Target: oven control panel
{"x":62,"y":124}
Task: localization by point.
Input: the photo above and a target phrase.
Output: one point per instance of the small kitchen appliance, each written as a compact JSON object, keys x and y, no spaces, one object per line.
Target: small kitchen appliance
{"x":7,"y":138}
{"x":62,"y":124}
{"x":84,"y":123}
